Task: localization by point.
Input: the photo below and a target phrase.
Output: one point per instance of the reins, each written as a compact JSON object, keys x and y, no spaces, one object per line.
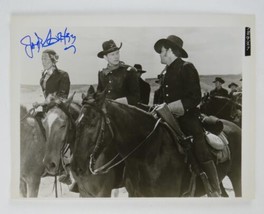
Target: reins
{"x":30,"y":113}
{"x":106,"y":121}
{"x":106,"y":167}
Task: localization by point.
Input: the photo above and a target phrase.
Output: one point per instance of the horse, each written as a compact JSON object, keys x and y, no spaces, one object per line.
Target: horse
{"x":93,"y":185}
{"x":32,"y":147}
{"x":154,"y":166}
{"x":60,"y":128}
{"x":223,"y":107}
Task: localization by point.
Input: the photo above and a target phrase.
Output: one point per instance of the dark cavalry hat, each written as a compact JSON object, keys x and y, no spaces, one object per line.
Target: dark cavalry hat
{"x":139,"y":68}
{"x":172,"y":41}
{"x":219,"y":79}
{"x":232,"y":84}
{"x":108,"y":47}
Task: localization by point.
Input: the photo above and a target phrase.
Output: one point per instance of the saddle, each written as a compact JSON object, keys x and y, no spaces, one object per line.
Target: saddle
{"x":214,"y":135}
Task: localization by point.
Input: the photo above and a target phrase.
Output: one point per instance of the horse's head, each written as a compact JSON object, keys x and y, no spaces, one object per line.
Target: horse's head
{"x":91,"y":130}
{"x":58,"y":126}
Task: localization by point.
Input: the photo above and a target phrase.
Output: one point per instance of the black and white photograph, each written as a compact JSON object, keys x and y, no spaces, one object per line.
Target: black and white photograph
{"x":146,"y":109}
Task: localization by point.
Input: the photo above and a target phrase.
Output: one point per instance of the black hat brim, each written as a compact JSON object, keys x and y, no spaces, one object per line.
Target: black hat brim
{"x":102,"y":53}
{"x":158,"y":45}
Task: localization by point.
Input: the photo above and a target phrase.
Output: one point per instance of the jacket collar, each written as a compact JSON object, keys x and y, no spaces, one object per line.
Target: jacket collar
{"x":108,"y":69}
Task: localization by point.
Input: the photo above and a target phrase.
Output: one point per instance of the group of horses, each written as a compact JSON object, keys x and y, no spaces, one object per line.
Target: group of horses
{"x":113,"y":145}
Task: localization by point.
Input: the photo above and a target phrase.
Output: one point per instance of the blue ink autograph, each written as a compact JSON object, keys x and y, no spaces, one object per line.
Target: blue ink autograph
{"x":68,"y":39}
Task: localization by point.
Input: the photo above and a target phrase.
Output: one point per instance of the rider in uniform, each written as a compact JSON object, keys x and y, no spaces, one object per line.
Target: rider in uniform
{"x":120,"y":80}
{"x":219,"y":90}
{"x":180,"y":88}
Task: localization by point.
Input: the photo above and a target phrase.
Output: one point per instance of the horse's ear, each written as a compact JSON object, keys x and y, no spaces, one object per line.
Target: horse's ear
{"x":83,"y":96}
{"x":69,"y":100}
{"x":90,"y":91}
{"x":100,"y":97}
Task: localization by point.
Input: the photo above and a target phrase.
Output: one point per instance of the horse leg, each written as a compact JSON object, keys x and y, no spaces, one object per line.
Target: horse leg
{"x":23,"y":188}
{"x":33,"y":187}
{"x":235,"y":178}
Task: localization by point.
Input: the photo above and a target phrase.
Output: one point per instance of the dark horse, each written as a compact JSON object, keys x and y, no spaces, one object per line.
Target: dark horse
{"x":154,"y":167}
{"x":90,"y":184}
{"x":32,"y":148}
{"x":222,"y":107}
{"x":59,"y":124}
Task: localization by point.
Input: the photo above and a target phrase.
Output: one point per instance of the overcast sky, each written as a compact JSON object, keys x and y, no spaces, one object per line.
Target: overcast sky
{"x":213,"y":50}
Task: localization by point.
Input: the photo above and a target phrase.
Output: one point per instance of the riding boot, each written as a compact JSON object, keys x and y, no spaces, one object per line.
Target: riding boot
{"x":211,"y":172}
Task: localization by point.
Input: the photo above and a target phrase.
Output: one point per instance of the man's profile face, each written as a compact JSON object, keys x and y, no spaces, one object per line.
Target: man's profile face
{"x":163,"y":55}
{"x":113,"y":58}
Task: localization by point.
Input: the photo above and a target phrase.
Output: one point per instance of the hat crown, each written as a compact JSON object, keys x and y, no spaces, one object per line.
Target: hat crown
{"x":109,"y":45}
{"x":176,"y":40}
{"x":138,"y":66}
{"x":219,"y":79}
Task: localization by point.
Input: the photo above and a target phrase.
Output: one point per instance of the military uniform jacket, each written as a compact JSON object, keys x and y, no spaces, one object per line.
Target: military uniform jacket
{"x":144,"y":91}
{"x":120,"y":82}
{"x":219,"y":92}
{"x":181,"y":82}
{"x":58,"y":83}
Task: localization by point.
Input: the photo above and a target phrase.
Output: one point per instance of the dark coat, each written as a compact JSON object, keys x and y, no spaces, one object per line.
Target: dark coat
{"x":181,"y":82}
{"x":58,"y":83}
{"x":219,"y":92}
{"x":121,"y":82}
{"x":144,"y":91}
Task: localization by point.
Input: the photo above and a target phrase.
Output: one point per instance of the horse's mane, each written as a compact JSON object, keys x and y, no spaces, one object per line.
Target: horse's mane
{"x":73,"y":111}
{"x":130,"y":108}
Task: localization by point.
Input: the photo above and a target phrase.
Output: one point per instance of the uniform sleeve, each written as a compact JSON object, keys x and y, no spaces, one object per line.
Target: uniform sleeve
{"x":64,"y":87}
{"x":133,"y":90}
{"x":192,"y":87}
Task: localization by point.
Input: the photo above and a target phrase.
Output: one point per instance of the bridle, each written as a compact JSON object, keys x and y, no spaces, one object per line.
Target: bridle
{"x":106,"y":123}
{"x":70,"y":136}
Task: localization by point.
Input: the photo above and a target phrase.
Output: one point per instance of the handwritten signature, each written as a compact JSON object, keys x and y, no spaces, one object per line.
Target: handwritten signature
{"x":68,"y":39}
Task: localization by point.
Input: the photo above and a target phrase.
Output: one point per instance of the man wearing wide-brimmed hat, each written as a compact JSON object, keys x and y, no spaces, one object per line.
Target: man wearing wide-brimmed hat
{"x":219,"y":90}
{"x":144,"y":87}
{"x":182,"y":92}
{"x":233,"y":88}
{"x":120,"y":80}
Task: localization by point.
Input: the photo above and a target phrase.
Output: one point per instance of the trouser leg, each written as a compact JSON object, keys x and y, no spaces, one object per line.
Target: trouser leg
{"x":191,"y":126}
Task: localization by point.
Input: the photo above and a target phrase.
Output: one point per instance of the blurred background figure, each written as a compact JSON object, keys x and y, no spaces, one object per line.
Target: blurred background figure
{"x":233,"y":88}
{"x":219,"y":90}
{"x":144,"y":87}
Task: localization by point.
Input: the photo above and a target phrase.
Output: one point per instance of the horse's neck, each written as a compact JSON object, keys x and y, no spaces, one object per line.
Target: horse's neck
{"x":130,"y":122}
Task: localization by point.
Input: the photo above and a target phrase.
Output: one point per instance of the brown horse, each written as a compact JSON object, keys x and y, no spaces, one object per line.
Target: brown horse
{"x":154,"y":166}
{"x":59,"y":124}
{"x":32,"y":148}
{"x":59,"y":127}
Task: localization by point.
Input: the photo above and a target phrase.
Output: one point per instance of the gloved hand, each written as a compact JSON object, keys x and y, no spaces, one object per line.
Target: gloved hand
{"x":35,"y":105}
{"x":122,"y":100}
{"x":176,"y":108}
